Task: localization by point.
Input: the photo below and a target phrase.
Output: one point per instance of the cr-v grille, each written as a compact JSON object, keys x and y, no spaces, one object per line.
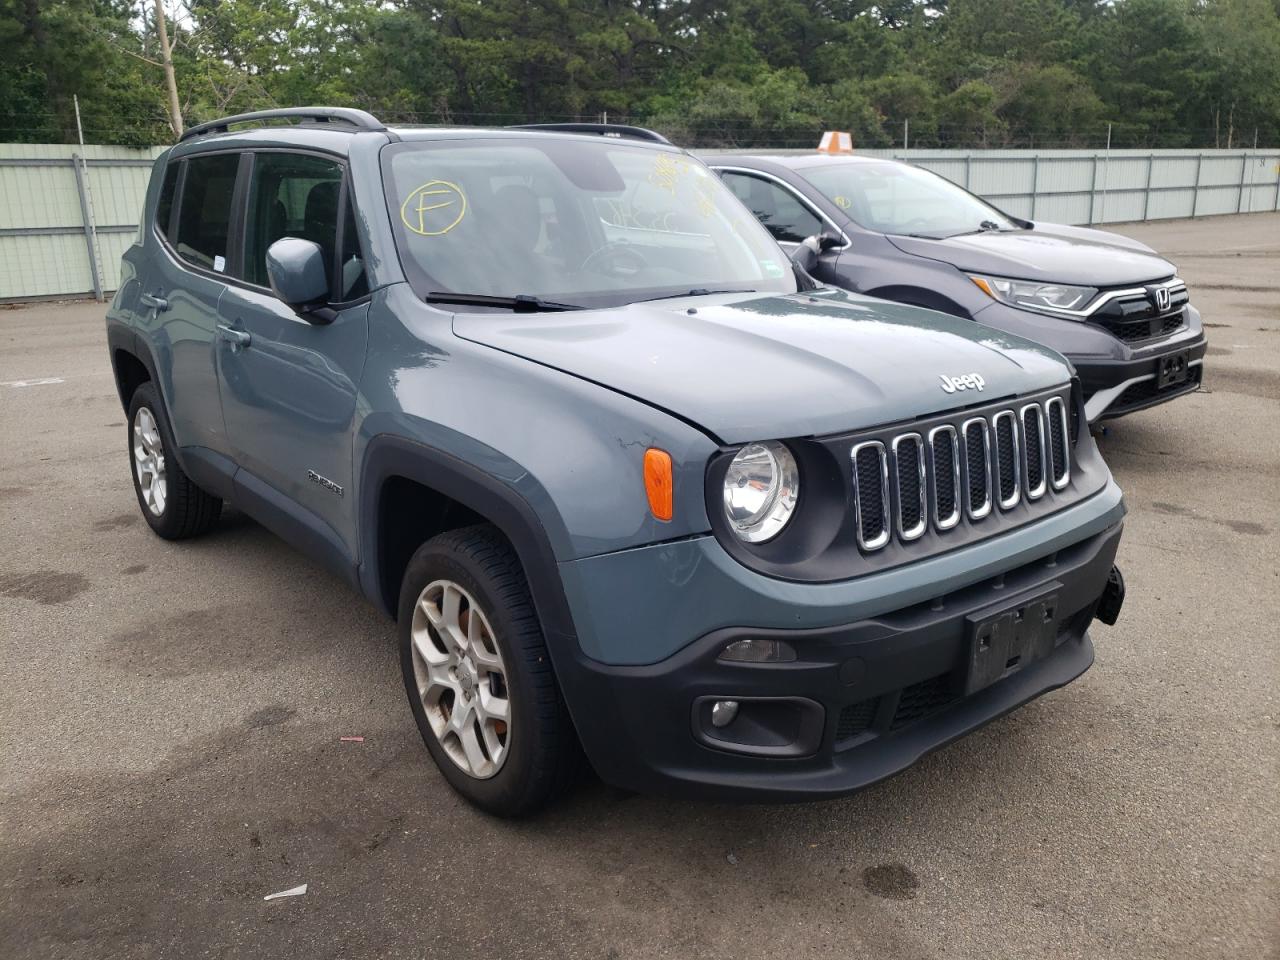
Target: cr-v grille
{"x":907,"y":482}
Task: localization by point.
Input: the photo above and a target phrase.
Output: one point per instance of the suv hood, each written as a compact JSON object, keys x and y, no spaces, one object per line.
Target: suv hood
{"x":1049,"y":252}
{"x":745,"y":367}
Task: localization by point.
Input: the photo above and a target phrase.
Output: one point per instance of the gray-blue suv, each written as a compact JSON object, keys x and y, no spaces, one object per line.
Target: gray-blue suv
{"x":630,"y":483}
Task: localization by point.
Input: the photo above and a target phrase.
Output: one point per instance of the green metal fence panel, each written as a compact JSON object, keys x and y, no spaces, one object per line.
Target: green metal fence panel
{"x":63,"y":229}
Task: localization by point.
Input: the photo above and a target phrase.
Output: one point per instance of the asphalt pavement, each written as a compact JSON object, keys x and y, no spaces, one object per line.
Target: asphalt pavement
{"x":171,"y":715}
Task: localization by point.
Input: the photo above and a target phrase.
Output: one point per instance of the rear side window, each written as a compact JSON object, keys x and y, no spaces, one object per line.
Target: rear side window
{"x":291,"y":195}
{"x":164,"y":209}
{"x":204,"y":217}
{"x":777,"y":208}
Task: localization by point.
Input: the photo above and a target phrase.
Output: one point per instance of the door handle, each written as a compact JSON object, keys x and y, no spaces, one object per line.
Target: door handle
{"x":157,"y":304}
{"x":237,"y":338}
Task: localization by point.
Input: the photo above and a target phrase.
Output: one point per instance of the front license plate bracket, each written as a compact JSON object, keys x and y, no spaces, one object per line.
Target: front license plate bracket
{"x":1004,"y":642}
{"x":1173,"y":368}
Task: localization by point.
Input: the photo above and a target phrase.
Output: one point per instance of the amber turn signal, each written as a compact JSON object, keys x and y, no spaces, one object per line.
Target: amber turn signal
{"x":658,"y":483}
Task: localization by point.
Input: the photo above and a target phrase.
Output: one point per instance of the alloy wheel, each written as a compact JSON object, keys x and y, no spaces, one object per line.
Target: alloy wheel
{"x":148,"y":461}
{"x":461,"y":678}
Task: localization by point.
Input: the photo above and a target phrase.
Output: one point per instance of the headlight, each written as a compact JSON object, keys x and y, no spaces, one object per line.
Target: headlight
{"x":1031,"y":295}
{"x":760,"y":491}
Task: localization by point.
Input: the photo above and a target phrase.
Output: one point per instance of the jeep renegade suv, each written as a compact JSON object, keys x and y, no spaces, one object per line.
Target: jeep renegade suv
{"x":629,"y":482}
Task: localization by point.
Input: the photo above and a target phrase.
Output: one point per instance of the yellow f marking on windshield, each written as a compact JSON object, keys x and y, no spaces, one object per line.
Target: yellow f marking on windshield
{"x":434,"y":208}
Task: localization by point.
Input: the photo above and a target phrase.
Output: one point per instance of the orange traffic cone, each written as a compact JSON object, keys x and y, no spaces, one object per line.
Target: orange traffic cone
{"x":836,"y":141}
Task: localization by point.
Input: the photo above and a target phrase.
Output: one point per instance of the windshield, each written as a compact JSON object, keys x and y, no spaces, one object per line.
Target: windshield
{"x":897,"y":198}
{"x":571,"y":221}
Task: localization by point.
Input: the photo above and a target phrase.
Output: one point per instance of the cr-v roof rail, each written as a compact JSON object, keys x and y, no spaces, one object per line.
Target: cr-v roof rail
{"x":602,"y":129}
{"x":359,"y":119}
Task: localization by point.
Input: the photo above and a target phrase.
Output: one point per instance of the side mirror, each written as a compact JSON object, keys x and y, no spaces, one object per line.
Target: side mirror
{"x":805,"y":255}
{"x":297,"y":273}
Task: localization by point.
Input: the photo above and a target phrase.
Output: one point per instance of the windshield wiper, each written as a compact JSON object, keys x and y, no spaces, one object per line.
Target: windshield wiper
{"x":695,"y":292}
{"x":986,"y":226}
{"x":520,"y":303}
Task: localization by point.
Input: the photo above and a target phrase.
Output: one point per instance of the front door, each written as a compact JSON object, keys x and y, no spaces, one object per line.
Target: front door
{"x":288,"y":384}
{"x":181,"y":289}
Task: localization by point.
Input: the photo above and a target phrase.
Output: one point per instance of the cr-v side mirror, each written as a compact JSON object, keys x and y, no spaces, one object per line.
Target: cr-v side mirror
{"x":297,"y":274}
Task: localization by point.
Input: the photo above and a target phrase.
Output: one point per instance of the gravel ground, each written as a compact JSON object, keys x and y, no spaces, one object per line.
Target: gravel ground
{"x":171,"y":715}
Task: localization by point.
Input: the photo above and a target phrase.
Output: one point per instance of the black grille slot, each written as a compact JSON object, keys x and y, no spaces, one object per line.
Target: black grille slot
{"x":977,"y":481}
{"x":1006,"y":458}
{"x":943,"y":451}
{"x":1059,"y":452}
{"x":856,"y":718}
{"x":1033,"y":443}
{"x":869,"y":477}
{"x":922,"y":699}
{"x":910,"y":474}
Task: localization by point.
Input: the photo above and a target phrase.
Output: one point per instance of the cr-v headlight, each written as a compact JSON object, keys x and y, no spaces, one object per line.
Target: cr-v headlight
{"x":760,"y":491}
{"x":1052,"y":298}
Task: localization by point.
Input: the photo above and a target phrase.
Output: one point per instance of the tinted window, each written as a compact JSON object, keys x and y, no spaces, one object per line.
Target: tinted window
{"x":164,"y":208}
{"x":777,"y":208}
{"x":205,"y":215}
{"x":290,"y":195}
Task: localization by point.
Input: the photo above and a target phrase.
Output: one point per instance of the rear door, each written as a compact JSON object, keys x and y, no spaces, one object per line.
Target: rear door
{"x":181,"y":289}
{"x":288,"y":383}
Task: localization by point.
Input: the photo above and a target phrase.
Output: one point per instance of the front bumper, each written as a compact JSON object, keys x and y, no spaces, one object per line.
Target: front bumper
{"x":1118,"y":377}
{"x":864,"y":699}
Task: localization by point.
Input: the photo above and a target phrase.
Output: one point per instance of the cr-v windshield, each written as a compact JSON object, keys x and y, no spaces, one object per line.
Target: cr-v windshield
{"x":571,"y":221}
{"x":896,"y":198}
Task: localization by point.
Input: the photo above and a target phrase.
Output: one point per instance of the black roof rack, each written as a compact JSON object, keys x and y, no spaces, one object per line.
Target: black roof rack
{"x":359,"y":119}
{"x":600,"y":129}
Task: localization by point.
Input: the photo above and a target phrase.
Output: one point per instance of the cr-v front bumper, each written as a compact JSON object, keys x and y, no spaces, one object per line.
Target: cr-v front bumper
{"x":862,"y":700}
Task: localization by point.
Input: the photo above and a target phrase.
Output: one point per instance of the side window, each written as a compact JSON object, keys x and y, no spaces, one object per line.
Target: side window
{"x":290,"y":195}
{"x":164,"y":207}
{"x":777,"y":208}
{"x":352,"y":282}
{"x":204,"y":217}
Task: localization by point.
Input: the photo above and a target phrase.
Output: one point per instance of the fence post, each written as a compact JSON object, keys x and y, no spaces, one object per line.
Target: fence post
{"x":1146,"y":192}
{"x":968,"y":158}
{"x":1195,"y":191}
{"x":1244,"y":162}
{"x":88,"y":226}
{"x":1035,"y":183}
{"x":1093,"y":188}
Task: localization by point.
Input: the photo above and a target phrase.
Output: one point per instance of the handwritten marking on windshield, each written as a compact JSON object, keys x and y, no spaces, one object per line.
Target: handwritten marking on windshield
{"x":419,"y":210}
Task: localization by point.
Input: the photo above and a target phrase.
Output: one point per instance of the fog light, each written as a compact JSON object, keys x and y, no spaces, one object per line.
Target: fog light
{"x":723,"y":712}
{"x":758,"y":650}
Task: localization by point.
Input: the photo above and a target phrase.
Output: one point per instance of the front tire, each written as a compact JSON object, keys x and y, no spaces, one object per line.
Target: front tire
{"x":479,"y":680}
{"x":173,"y":506}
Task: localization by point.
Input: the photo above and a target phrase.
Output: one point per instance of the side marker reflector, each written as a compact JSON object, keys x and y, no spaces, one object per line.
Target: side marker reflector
{"x":658,"y":483}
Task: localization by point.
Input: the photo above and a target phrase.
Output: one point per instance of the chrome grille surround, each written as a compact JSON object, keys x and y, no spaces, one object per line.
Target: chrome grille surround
{"x":997,"y":473}
{"x":983,"y":508}
{"x":945,"y":434}
{"x":920,"y":500}
{"x":961,"y":471}
{"x":1056,"y":412}
{"x":1040,"y":447}
{"x":860,"y":514}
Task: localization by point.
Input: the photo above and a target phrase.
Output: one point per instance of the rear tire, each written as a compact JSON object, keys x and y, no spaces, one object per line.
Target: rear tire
{"x":478,"y":677}
{"x":173,"y":506}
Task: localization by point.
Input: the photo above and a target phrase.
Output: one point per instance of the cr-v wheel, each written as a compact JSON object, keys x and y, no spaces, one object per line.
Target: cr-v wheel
{"x":478,"y":676}
{"x":174,"y":507}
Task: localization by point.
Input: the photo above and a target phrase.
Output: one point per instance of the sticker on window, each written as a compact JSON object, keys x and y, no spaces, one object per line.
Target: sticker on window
{"x":220,"y":264}
{"x":843,"y":202}
{"x":771,"y":268}
{"x":434,"y":208}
